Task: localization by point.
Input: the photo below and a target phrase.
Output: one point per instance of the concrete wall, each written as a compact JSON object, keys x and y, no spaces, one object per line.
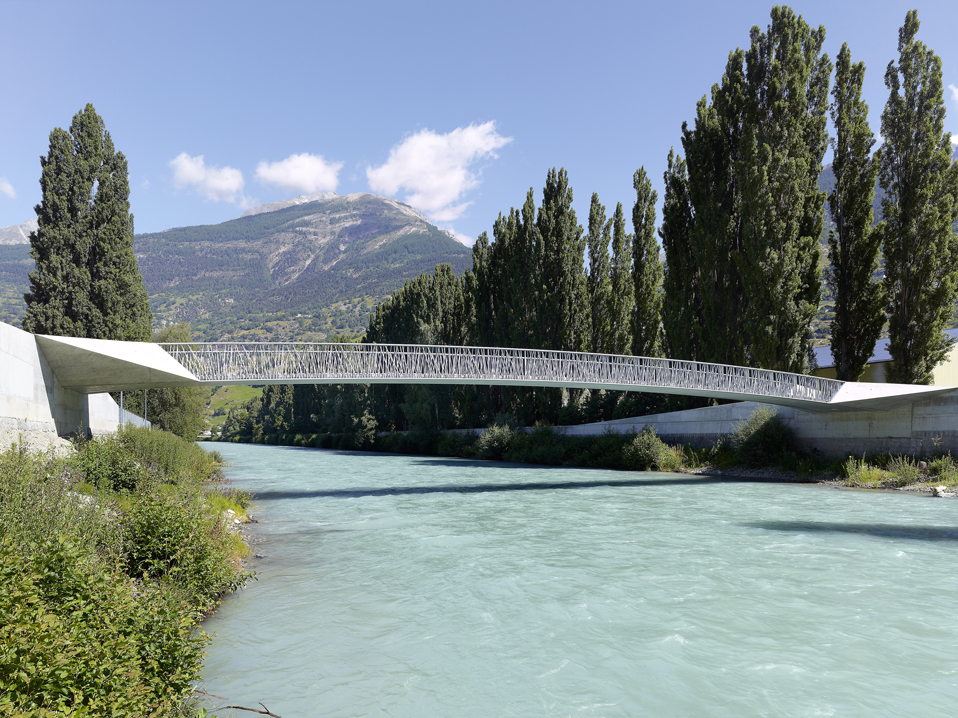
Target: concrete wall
{"x":32,"y":400}
{"x":917,"y":429}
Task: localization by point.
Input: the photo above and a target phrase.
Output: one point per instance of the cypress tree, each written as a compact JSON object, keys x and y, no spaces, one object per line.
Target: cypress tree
{"x":646,"y":270}
{"x":920,"y":207}
{"x":621,"y":291}
{"x":86,"y":282}
{"x":599,"y":282}
{"x":852,"y":244}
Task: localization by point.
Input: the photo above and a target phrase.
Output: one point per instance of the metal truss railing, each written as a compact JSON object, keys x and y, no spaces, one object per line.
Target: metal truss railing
{"x":276,"y":363}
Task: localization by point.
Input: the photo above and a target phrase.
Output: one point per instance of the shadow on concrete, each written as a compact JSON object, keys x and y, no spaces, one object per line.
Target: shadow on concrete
{"x":916,"y":533}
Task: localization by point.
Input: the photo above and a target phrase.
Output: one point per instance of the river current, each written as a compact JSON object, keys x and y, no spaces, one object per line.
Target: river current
{"x":428,"y":587}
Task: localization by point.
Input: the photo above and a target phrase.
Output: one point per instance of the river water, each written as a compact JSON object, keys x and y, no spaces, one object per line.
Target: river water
{"x":415,"y":586}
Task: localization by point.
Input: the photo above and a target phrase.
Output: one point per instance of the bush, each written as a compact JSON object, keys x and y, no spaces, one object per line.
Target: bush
{"x":543,"y":445}
{"x":645,"y":450}
{"x":494,"y":442}
{"x":169,"y":536}
{"x":761,"y":438}
{"x":82,"y":639}
{"x":904,"y":470}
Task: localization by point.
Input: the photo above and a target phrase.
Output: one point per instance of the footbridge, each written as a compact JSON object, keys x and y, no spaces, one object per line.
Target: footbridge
{"x":92,"y":366}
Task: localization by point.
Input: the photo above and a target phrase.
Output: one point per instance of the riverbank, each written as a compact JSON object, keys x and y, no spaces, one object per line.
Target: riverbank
{"x":109,"y":558}
{"x":762,"y":447}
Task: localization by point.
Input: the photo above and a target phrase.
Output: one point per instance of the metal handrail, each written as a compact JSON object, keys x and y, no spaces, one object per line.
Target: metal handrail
{"x":278,"y":362}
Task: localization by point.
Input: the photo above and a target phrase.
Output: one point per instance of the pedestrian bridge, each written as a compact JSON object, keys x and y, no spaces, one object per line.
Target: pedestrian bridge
{"x":92,"y":366}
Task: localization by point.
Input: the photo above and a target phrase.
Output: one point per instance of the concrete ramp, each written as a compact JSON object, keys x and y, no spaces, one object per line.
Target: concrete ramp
{"x":92,"y":366}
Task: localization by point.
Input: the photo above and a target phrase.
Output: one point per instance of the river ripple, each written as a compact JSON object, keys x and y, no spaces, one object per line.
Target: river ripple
{"x":412,"y":586}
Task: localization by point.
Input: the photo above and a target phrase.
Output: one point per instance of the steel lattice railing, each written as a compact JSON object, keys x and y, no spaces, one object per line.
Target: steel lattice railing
{"x":277,"y":363}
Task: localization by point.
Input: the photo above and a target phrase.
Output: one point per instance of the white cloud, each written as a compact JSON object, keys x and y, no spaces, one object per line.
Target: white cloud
{"x":954,"y":139}
{"x":301,"y":173}
{"x":7,"y":189}
{"x":434,"y":169}
{"x":954,"y":94}
{"x":220,"y":184}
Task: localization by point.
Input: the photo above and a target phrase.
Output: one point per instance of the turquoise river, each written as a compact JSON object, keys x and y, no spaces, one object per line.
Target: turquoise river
{"x":428,"y":587}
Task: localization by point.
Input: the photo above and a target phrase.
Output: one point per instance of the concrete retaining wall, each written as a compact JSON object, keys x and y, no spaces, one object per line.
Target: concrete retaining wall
{"x":32,"y":400}
{"x":917,"y":429}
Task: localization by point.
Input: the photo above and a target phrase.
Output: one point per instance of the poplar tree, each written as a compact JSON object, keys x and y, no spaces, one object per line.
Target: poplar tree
{"x":86,"y":282}
{"x":784,"y":141}
{"x":852,"y":244}
{"x":562,"y":319}
{"x":599,"y":281}
{"x":646,"y":270}
{"x":752,"y":201}
{"x":620,"y":298}
{"x":919,"y":208}
{"x":681,"y":301}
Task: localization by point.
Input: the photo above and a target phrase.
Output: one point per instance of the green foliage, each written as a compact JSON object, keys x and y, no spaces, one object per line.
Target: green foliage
{"x":646,"y":271}
{"x":920,"y":209}
{"x":100,"y":592}
{"x":494,"y":442}
{"x":109,"y":466}
{"x":645,"y":451}
{"x":743,"y":224}
{"x":852,"y":243}
{"x":86,"y":282}
{"x":168,"y":536}
{"x":599,"y":281}
{"x":761,"y":438}
{"x":78,"y":638}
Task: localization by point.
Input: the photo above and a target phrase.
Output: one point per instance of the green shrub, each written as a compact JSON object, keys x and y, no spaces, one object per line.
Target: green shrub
{"x":904,"y":471}
{"x":456,"y":443}
{"x":81,"y":639}
{"x":761,"y":438}
{"x":645,"y":451}
{"x":944,"y":469}
{"x":861,"y":473}
{"x":494,"y":442}
{"x":542,"y":445}
{"x":169,"y":536}
{"x":109,"y":466}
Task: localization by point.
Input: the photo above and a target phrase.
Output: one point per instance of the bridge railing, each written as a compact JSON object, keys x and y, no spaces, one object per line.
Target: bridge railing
{"x":278,"y":362}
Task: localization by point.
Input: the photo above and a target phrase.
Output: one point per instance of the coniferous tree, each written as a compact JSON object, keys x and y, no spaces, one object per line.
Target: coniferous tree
{"x":86,"y":282}
{"x":621,"y":290}
{"x":919,"y":208}
{"x":852,"y":244}
{"x":599,"y":283}
{"x":646,"y":271}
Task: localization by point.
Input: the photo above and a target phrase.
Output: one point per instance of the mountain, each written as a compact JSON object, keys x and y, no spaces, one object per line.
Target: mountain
{"x":300,"y":269}
{"x":18,"y":233}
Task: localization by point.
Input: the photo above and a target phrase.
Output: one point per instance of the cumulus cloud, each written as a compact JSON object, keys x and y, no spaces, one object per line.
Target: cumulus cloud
{"x":7,"y":189}
{"x":954,"y":94}
{"x":220,"y":184}
{"x":301,"y":173}
{"x":435,"y":170}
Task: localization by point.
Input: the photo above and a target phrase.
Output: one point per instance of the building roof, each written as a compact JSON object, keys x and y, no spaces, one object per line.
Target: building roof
{"x":823,"y":355}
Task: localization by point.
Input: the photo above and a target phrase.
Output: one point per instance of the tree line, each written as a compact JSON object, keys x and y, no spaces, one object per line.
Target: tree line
{"x":742,"y":276}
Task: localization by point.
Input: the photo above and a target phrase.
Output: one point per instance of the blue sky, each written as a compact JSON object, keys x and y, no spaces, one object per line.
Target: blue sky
{"x":455,"y":108}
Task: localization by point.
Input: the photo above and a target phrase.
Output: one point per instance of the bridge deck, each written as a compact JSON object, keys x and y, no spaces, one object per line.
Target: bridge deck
{"x":91,"y":365}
